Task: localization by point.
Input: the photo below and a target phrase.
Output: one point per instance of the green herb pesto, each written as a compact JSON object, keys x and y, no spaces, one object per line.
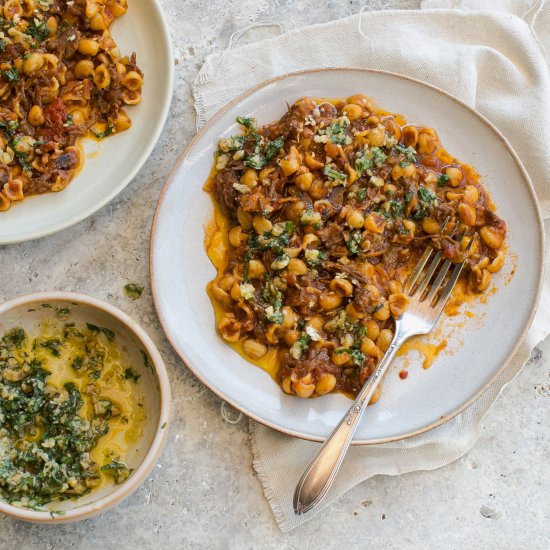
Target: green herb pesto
{"x":131,"y":374}
{"x":117,"y":470}
{"x":354,"y":242}
{"x":334,"y":174}
{"x":107,"y":132}
{"x":38,"y":30}
{"x":357,"y":357}
{"x":11,"y":74}
{"x":49,"y":431}
{"x":133,"y":291}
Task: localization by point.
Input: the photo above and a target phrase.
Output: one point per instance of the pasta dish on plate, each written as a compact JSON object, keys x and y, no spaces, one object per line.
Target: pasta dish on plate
{"x":62,"y":77}
{"x":319,"y":219}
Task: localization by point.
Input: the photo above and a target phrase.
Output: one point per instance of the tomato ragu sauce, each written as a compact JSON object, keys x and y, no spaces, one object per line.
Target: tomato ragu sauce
{"x":320,"y":217}
{"x":62,"y":77}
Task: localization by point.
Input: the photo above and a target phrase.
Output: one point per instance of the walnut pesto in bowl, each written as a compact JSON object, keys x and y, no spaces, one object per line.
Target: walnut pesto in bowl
{"x":84,"y":404}
{"x":64,"y":397}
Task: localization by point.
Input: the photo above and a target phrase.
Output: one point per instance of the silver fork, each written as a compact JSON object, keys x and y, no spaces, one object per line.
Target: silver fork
{"x":424,"y":309}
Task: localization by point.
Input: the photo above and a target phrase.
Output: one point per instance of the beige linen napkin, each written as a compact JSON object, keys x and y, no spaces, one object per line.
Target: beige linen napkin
{"x":491,"y":60}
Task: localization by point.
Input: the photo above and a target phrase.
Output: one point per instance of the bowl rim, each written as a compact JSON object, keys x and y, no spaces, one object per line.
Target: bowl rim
{"x":124,"y":182}
{"x":144,"y":469}
{"x":327,"y":70}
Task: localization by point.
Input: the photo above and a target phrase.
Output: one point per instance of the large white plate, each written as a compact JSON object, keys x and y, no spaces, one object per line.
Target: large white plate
{"x":111,"y":164}
{"x":476,"y":352}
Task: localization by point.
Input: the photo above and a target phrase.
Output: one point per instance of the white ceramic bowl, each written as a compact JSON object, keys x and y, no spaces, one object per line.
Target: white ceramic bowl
{"x":478,"y":347}
{"x":111,"y":164}
{"x":26,"y":311}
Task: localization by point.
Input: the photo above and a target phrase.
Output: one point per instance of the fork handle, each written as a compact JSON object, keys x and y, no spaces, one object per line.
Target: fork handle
{"x":322,"y":470}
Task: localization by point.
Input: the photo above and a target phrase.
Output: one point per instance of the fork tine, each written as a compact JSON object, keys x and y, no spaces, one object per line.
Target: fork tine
{"x":438,"y":280}
{"x":431,"y":270}
{"x":441,"y":275}
{"x":453,"y":279}
{"x":416,"y":272}
{"x":452,"y":233}
{"x":428,"y":275}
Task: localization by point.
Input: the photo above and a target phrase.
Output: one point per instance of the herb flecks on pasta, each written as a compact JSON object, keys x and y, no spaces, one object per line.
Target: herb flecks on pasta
{"x":327,"y":211}
{"x":62,"y":77}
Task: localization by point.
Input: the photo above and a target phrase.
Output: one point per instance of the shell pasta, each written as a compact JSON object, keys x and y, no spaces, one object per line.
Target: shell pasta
{"x":62,"y":77}
{"x":320,"y":217}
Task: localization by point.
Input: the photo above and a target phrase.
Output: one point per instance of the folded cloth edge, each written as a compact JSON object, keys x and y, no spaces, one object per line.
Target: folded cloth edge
{"x":204,"y":74}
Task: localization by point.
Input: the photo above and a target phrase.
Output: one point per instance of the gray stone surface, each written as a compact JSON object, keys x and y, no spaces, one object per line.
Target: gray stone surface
{"x":203,"y":492}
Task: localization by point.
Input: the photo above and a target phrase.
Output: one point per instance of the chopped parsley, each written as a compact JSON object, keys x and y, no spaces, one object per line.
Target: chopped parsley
{"x":315,"y":257}
{"x":233,"y":143}
{"x":271,"y":241}
{"x":21,"y":156}
{"x":132,"y":374}
{"x":370,"y":157}
{"x":338,"y":133}
{"x":426,"y":195}
{"x":311,"y":217}
{"x":2,"y":45}
{"x":53,"y":345}
{"x":133,"y":291}
{"x":62,"y":312}
{"x":378,"y":156}
{"x":255,"y":161}
{"x":145,"y":358}
{"x":426,"y":199}
{"x":68,"y":121}
{"x":442,"y":180}
{"x":38,"y":30}
{"x":354,"y":242}
{"x":119,"y":471}
{"x":107,"y":132}
{"x":273,"y":299}
{"x":409,"y":152}
{"x":12,"y":74}
{"x":14,"y":338}
{"x":357,"y":357}
{"x":341,"y":322}
{"x":24,"y":164}
{"x":362,"y":164}
{"x":334,"y":174}
{"x":300,"y":345}
{"x":264,"y":154}
{"x":394,"y":209}
{"x":70,"y":331}
{"x":247,"y":122}
{"x":9,"y":127}
{"x":273,"y":147}
{"x":91,"y":363}
{"x":273,"y":315}
{"x":334,"y":133}
{"x":109,"y":334}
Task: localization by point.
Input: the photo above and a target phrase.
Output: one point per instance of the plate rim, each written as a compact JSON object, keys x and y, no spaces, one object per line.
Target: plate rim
{"x":132,"y":173}
{"x":214,"y":118}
